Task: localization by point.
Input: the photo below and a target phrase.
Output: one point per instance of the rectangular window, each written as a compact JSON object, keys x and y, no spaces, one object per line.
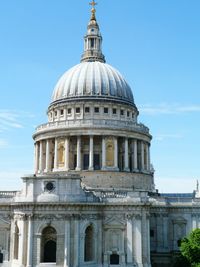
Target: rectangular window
{"x":128,"y":113}
{"x":96,"y":109}
{"x":61,"y":112}
{"x":69,"y":111}
{"x":106,"y":110}
{"x":78,"y":110}
{"x":114,"y":111}
{"x":122,"y":112}
{"x":87,"y":110}
{"x":55,"y":113}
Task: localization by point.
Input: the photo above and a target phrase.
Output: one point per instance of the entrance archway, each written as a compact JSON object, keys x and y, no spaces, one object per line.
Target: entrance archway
{"x":48,"y":244}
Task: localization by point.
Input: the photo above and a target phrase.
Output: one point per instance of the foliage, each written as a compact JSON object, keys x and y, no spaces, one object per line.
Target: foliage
{"x":190,"y":248}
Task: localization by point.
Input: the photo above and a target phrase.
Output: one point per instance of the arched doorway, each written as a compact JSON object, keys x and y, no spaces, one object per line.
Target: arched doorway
{"x":89,"y":244}
{"x":114,"y":259}
{"x":48,"y":245}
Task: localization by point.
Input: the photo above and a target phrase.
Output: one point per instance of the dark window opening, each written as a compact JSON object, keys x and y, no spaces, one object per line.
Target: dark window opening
{"x":61,"y":112}
{"x":151,"y":233}
{"x":114,"y":111}
{"x":69,"y":111}
{"x":105,"y":110}
{"x":78,"y":110}
{"x":122,"y":112}
{"x":128,"y":113}
{"x":55,"y":113}
{"x":87,"y":109}
{"x":85,"y":161}
{"x":96,"y":109}
{"x":114,"y":259}
{"x":96,"y":162}
{"x":92,"y":42}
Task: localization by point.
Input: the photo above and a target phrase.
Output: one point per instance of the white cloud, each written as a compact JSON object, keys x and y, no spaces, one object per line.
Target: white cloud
{"x":3,"y":143}
{"x":161,"y":137}
{"x":12,"y":119}
{"x":167,"y":109}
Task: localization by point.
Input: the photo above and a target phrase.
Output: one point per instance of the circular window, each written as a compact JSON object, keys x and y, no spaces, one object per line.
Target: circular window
{"x":50,"y":186}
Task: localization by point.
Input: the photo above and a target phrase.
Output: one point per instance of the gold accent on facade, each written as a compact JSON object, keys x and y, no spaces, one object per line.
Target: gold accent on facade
{"x":61,"y":154}
{"x":110,"y":152}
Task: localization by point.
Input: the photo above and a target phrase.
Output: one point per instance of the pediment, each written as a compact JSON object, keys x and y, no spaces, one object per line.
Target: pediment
{"x":114,"y":221}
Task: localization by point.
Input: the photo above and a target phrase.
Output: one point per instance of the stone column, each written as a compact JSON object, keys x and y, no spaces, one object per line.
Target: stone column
{"x":67,"y":244}
{"x":116,"y":153}
{"x":194,"y":222}
{"x":36,"y":157}
{"x":47,"y":155}
{"x":129,"y":235}
{"x":30,"y":242}
{"x":6,"y":256}
{"x":56,"y":155}
{"x":21,"y":241}
{"x":126,"y":159}
{"x":148,"y":240}
{"x":149,"y":158}
{"x":76,"y":243}
{"x":165,"y":231}
{"x":67,"y":154}
{"x":78,"y":165}
{"x":138,"y":241}
{"x":41,"y":157}
{"x":103,"y":153}
{"x":91,"y":158}
{"x":99,"y":244}
{"x":144,"y":240}
{"x":142,"y":155}
{"x":135,"y":155}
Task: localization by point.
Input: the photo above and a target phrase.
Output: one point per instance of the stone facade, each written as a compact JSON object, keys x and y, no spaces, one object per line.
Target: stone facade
{"x":92,"y":200}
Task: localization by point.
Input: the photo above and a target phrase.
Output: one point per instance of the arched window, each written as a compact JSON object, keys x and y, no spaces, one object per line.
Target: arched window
{"x":16,"y":242}
{"x":89,"y":244}
{"x":48,"y":245}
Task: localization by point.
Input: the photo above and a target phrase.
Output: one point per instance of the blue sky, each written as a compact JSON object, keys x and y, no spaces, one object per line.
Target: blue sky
{"x":154,"y":44}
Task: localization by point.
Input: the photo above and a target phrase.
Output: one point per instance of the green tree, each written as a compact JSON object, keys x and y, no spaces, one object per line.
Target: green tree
{"x":190,"y":248}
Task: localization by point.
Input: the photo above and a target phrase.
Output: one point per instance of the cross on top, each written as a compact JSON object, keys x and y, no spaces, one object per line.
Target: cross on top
{"x":93,"y":3}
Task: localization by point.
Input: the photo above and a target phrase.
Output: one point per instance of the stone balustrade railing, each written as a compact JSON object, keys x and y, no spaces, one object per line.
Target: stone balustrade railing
{"x":8,"y":194}
{"x":108,"y":193}
{"x":116,"y":124}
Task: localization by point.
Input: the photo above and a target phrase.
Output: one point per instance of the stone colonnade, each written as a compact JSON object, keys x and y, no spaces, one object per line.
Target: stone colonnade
{"x":135,"y":154}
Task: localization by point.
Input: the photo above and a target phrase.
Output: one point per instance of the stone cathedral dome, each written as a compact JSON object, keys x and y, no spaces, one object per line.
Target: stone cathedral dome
{"x":92,"y":80}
